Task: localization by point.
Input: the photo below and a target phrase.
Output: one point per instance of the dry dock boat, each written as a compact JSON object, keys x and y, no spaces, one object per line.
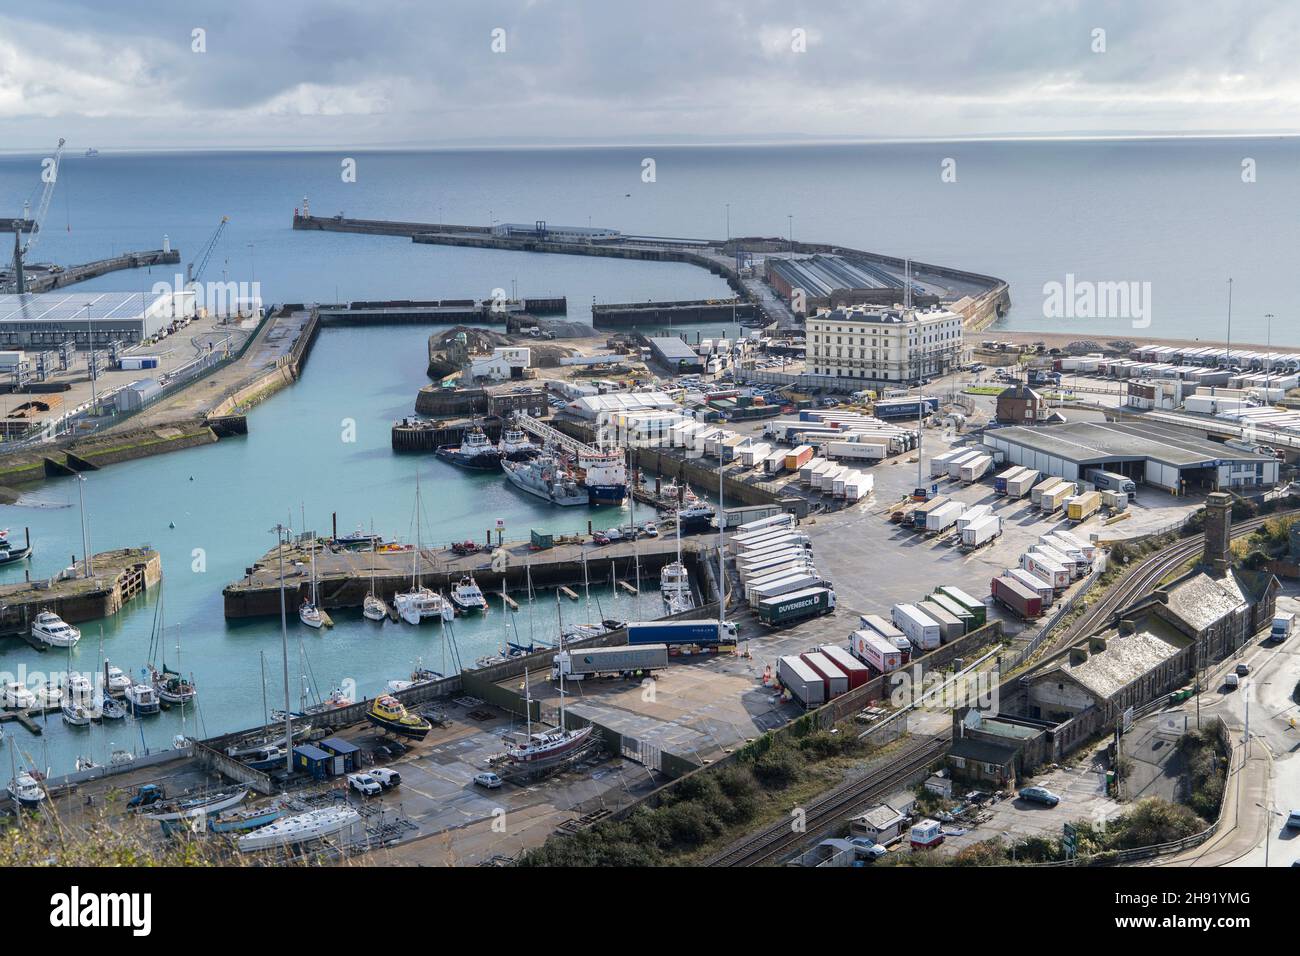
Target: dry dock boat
{"x":289,"y":831}
{"x":195,"y":806}
{"x":388,"y":714}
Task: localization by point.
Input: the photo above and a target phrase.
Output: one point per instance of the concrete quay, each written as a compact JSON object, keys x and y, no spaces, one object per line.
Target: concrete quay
{"x":43,"y":280}
{"x":343,"y":578}
{"x":118,"y":576}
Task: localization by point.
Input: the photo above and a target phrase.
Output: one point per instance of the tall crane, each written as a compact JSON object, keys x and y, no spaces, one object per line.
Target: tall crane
{"x":193,"y":275}
{"x":30,"y":225}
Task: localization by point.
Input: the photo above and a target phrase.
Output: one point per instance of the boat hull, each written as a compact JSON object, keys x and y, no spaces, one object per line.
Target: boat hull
{"x":409,"y":731}
{"x":478,"y":461}
{"x":606,"y":494}
{"x":545,"y":494}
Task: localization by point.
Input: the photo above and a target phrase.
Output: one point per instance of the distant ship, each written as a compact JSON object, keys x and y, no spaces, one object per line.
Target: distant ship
{"x":515,"y":446}
{"x":545,"y":477}
{"x":92,"y":153}
{"x":605,"y":477}
{"x":474,"y":451}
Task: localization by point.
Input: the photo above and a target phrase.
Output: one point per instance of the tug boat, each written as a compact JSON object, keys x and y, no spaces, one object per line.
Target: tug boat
{"x":388,"y":714}
{"x":50,"y":630}
{"x":515,"y":446}
{"x":467,"y":596}
{"x":475,"y":452}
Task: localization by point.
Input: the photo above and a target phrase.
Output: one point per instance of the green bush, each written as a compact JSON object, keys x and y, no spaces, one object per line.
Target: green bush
{"x":823,"y":744}
{"x":1153,"y":821}
{"x":779,"y":767}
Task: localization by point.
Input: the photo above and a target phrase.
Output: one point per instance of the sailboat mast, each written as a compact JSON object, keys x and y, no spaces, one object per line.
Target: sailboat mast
{"x":284,"y":649}
{"x":722,"y":540}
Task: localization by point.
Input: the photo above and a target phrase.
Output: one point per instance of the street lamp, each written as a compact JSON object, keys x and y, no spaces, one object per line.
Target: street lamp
{"x":1269,"y":342}
{"x":789,"y":218}
{"x":1268,"y":833}
{"x":90,"y":359}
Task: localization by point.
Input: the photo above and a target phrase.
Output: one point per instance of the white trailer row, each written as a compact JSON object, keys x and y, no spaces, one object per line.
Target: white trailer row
{"x":980,"y":532}
{"x":923,"y":631}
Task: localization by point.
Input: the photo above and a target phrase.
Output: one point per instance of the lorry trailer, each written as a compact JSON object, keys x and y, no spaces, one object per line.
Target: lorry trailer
{"x":972,"y":604}
{"x":1022,"y":484}
{"x":629,"y":661}
{"x":681,"y":632}
{"x":956,"y":610}
{"x":1014,"y":595}
{"x":950,"y":626}
{"x":804,"y":684}
{"x":797,"y":606}
{"x":1057,"y":575}
{"x":981,"y":532}
{"x":876,"y":651}
{"x":1042,"y":588}
{"x":835,"y":680}
{"x":857,"y":672}
{"x":922,"y":630}
{"x":1084,"y":506}
{"x":1001,"y":478}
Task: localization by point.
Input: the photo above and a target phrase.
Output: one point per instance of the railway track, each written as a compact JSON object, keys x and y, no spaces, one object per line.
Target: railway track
{"x":1143,"y":578}
{"x":829,"y":809}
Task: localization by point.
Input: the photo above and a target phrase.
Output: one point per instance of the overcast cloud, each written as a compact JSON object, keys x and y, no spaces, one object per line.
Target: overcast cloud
{"x":287,"y":73}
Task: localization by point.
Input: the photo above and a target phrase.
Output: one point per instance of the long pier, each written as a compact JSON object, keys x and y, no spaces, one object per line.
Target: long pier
{"x":344,"y":578}
{"x":38,"y":280}
{"x":116,"y":577}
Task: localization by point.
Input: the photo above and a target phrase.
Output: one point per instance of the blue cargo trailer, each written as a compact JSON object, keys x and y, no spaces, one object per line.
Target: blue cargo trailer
{"x":681,"y":632}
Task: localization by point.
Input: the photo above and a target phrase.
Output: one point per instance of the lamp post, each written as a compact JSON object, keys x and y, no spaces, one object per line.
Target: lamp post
{"x":90,"y":359}
{"x":1268,"y":316}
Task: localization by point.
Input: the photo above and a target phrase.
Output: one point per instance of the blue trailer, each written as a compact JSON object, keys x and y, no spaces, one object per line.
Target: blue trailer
{"x":681,"y":632}
{"x":904,"y":407}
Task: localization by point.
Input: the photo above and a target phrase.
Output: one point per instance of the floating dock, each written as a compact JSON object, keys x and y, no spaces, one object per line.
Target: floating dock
{"x":118,"y":576}
{"x":343,"y":578}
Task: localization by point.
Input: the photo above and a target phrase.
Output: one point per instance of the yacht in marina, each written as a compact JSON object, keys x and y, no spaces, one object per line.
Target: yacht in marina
{"x":50,"y":630}
{"x":309,"y":612}
{"x":675,"y":583}
{"x":420,"y":603}
{"x":373,"y":607}
{"x":467,"y":596}
{"x":115,"y":682}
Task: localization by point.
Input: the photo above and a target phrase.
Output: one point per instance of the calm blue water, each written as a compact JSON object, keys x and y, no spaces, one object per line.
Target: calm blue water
{"x":1174,"y":213}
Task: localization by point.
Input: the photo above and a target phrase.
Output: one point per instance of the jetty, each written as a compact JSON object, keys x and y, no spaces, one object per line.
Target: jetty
{"x":116,"y":577}
{"x":343,"y":577}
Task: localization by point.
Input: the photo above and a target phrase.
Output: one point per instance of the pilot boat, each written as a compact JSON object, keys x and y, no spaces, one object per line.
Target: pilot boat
{"x":388,"y":714}
{"x":467,"y":596}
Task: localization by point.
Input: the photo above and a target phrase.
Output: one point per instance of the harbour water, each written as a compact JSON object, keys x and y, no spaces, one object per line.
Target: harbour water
{"x":1017,"y":211}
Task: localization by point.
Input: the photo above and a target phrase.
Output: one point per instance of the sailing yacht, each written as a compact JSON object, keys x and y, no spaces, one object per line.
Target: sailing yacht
{"x":373,"y":608}
{"x":309,"y":611}
{"x":50,"y":630}
{"x":312,"y":825}
{"x":467,"y":596}
{"x":547,"y":744}
{"x":168,"y":684}
{"x":420,"y":603}
{"x":78,"y":701}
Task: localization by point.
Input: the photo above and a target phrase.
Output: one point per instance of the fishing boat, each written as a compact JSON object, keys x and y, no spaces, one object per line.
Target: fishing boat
{"x":142,"y":700}
{"x":388,"y":714}
{"x":309,"y":611}
{"x":15,"y":696}
{"x":515,"y":445}
{"x":115,"y":681}
{"x":544,"y":477}
{"x":604,"y":475}
{"x":467,"y":596}
{"x":26,"y":789}
{"x":420,"y":603}
{"x":245,"y":818}
{"x":171,"y":687}
{"x":372,"y":608}
{"x":302,"y":828}
{"x":8,"y":553}
{"x":188,"y":807}
{"x":50,"y":630}
{"x":475,"y":451}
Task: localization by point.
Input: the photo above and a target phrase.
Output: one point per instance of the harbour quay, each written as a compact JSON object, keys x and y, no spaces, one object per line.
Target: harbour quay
{"x":343,"y":578}
{"x":116,"y":577}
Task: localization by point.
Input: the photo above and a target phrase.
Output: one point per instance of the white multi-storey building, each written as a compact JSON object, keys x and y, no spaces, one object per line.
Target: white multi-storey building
{"x":884,"y":345}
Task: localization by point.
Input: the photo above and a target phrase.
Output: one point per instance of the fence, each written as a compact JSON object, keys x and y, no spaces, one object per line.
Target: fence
{"x":1045,"y":631}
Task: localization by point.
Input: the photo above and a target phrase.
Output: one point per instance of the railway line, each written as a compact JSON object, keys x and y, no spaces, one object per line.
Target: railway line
{"x":830,"y":809}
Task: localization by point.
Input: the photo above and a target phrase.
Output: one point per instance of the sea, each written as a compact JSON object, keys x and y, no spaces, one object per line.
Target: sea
{"x":1175,"y":217}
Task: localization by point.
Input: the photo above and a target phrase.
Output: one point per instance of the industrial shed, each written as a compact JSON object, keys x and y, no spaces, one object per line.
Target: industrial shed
{"x":48,"y":319}
{"x":1162,"y":456}
{"x":675,"y":354}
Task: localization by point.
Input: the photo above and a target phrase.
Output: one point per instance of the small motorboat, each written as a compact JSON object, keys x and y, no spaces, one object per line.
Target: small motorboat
{"x":26,"y":789}
{"x":16,"y":696}
{"x":115,"y":681}
{"x":388,"y":714}
{"x":467,"y":596}
{"x":52,"y":631}
{"x":142,"y":700}
{"x":245,"y":818}
{"x":120,"y":758}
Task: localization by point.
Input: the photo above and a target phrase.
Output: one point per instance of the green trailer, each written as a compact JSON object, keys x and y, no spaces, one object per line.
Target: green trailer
{"x":541,"y":540}
{"x":957,"y":610}
{"x":976,"y":607}
{"x":786,"y":609}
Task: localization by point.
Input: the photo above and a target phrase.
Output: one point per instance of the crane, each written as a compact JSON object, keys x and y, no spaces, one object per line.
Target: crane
{"x":30,"y":225}
{"x":193,"y":275}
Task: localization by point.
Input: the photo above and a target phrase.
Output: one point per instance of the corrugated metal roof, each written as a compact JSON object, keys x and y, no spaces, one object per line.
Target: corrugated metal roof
{"x":71,"y":306}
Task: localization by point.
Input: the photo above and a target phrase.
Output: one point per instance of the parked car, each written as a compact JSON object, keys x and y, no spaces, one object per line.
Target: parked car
{"x":1243,"y":670}
{"x":364,"y":784}
{"x":599,"y":537}
{"x":650,"y":530}
{"x":1040,"y":795}
{"x":1232,"y":681}
{"x":489,"y":780}
{"x":388,"y":779}
{"x":1293,"y":820}
{"x":867,"y":849}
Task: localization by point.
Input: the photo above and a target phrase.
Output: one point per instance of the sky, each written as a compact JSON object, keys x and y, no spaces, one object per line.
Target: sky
{"x":402,"y":73}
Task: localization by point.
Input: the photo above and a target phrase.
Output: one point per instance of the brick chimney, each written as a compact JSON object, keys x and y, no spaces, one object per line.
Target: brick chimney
{"x":1218,"y":533}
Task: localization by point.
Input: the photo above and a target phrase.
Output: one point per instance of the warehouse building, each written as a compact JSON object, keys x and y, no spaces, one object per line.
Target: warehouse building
{"x":48,"y":319}
{"x":675,"y":354}
{"x":1162,"y":456}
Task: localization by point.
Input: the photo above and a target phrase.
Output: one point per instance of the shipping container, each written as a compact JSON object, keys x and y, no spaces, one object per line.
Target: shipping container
{"x":972,"y":514}
{"x":922,"y":511}
{"x":922,"y":630}
{"x":943,"y":517}
{"x":1057,"y":575}
{"x":950,"y":626}
{"x":877,"y":651}
{"x":810,"y":467}
{"x":955,"y":466}
{"x":1084,"y":506}
{"x":835,"y":680}
{"x":1014,"y":595}
{"x":796,"y":458}
{"x":972,"y":604}
{"x":857,"y":672}
{"x":804,"y":684}
{"x":956,"y":610}
{"x":975,"y":469}
{"x":981,"y":532}
{"x":1022,"y":484}
{"x":609,"y":661}
{"x":856,"y":450}
{"x":1042,"y":588}
{"x":790,"y":608}
{"x":770,"y":523}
